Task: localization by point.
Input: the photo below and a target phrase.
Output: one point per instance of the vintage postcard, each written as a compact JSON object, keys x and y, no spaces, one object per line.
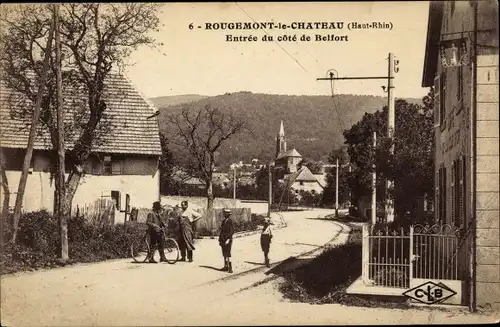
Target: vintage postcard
{"x":243,"y":163}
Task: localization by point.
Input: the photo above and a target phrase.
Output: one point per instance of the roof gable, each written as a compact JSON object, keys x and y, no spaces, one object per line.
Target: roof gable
{"x":302,"y":175}
{"x":289,"y":153}
{"x":127,"y":111}
{"x":432,"y":43}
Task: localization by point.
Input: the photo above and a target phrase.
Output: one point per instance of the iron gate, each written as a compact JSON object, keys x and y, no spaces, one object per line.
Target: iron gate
{"x":402,"y":258}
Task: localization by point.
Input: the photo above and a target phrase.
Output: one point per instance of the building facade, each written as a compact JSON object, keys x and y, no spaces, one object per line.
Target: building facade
{"x":461,"y":62}
{"x":123,"y":166}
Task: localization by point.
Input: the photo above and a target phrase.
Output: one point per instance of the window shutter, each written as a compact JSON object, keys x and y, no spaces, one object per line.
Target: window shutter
{"x":437,"y":100}
{"x":442,"y":98}
{"x":462,"y":191}
{"x":117,"y":167}
{"x":453,"y":197}
{"x":437,"y":205}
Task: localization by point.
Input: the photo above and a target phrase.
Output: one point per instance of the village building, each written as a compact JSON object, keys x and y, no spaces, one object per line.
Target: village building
{"x":124,"y":163}
{"x":303,"y":180}
{"x":296,"y":178}
{"x":461,"y":62}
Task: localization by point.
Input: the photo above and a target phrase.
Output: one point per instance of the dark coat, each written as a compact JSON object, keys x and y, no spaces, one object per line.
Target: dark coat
{"x":154,"y":222}
{"x":186,"y":234}
{"x":226,"y":231}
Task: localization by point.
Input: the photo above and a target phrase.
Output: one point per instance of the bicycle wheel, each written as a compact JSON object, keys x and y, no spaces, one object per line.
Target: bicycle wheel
{"x":139,"y":250}
{"x":171,"y":250}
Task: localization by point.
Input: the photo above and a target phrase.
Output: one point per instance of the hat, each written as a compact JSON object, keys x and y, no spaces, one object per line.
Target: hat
{"x":156,"y":205}
{"x":226,"y":210}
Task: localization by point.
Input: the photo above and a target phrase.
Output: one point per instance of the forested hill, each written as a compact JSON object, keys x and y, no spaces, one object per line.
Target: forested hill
{"x":313,"y":124}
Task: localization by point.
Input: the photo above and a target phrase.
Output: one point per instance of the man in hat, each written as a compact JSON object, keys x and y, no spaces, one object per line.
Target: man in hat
{"x":155,"y":224}
{"x":187,"y":220}
{"x":226,"y":239}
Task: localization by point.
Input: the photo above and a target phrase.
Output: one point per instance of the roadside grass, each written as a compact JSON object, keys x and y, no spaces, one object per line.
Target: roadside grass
{"x":326,"y":278}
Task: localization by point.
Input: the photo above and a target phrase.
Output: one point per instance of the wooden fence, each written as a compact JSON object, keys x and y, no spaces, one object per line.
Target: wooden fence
{"x":101,"y":212}
{"x":212,"y":223}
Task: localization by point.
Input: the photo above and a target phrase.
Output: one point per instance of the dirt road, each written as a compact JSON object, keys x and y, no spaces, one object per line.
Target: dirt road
{"x":123,"y":293}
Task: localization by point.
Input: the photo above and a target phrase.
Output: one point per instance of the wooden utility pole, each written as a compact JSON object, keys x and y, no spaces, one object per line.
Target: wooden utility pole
{"x":61,"y":190}
{"x":337,"y":188}
{"x":391,"y":122}
{"x":234,"y":184}
{"x":392,"y":68}
{"x":374,"y":182}
{"x":32,"y":134}
{"x":270,"y":197}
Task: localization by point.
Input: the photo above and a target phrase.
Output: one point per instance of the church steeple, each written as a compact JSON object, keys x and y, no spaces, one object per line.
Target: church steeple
{"x":282,"y":130}
{"x":280,"y":140}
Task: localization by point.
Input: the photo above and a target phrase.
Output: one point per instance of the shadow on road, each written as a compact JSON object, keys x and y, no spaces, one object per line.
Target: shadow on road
{"x":210,"y":267}
{"x":255,"y":263}
{"x":288,"y":265}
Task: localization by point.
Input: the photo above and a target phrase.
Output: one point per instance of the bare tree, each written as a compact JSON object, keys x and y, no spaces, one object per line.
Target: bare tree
{"x":95,"y":38}
{"x":202,"y":131}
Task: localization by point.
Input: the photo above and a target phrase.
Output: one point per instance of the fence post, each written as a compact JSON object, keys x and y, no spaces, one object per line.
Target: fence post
{"x":365,"y":255}
{"x":411,"y":257}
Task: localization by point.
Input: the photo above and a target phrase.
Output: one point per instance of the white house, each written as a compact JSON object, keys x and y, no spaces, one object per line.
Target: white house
{"x":303,"y":180}
{"x":123,"y":165}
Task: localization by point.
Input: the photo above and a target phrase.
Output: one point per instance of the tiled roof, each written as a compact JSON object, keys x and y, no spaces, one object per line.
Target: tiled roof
{"x":302,"y":175}
{"x":289,"y":153}
{"x":126,"y":113}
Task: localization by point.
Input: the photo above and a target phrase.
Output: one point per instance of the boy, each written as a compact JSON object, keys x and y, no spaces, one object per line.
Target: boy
{"x":226,"y":239}
{"x":265,"y":239}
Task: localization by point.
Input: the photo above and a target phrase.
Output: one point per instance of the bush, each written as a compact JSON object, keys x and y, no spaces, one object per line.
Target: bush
{"x":37,"y":244}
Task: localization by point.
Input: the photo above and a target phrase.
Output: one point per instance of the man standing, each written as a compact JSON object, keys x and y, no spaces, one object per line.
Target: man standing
{"x":155,"y":224}
{"x":187,"y":218}
{"x":226,"y":239}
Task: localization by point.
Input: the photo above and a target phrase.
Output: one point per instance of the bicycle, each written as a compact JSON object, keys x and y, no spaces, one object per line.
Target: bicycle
{"x":139,"y":250}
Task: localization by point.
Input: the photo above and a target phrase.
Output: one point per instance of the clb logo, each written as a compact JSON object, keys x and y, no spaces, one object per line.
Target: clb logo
{"x":430,"y":293}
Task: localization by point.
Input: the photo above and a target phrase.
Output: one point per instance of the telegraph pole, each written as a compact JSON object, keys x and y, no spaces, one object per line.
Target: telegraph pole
{"x":337,"y":188}
{"x":270,"y":198}
{"x":61,"y":205}
{"x":234,"y":185}
{"x":391,"y":123}
{"x":374,"y":182}
{"x":392,"y":69}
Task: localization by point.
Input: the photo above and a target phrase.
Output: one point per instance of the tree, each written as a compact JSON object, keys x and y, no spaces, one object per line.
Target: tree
{"x":314,"y":166}
{"x":171,"y":179}
{"x":95,"y":38}
{"x":411,"y":166}
{"x":202,"y":131}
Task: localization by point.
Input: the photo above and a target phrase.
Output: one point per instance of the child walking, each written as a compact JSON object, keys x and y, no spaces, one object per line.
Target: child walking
{"x":265,"y":239}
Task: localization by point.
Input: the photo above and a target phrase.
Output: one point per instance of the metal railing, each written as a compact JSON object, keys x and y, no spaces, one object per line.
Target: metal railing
{"x":392,"y":258}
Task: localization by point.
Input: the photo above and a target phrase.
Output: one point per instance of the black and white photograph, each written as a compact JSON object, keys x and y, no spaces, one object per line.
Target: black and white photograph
{"x":249,"y":163}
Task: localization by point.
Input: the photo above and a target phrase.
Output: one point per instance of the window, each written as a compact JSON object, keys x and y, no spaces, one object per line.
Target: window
{"x":460,"y":88}
{"x":127,"y":203}
{"x":117,"y":167}
{"x":301,"y":183}
{"x":116,"y":196}
{"x":437,"y":101}
{"x":442,"y":196}
{"x":442,"y":100}
{"x":107,"y":165}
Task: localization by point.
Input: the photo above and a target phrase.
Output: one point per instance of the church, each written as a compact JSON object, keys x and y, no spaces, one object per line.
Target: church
{"x":296,"y":178}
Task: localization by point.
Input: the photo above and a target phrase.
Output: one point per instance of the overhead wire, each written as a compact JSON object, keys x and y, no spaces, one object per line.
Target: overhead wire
{"x":279,"y":45}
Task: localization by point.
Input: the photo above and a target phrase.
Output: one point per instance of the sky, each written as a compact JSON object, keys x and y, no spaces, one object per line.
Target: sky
{"x":201,"y":61}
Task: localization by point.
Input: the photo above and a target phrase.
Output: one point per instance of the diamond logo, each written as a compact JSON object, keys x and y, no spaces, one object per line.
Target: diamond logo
{"x":430,"y":293}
